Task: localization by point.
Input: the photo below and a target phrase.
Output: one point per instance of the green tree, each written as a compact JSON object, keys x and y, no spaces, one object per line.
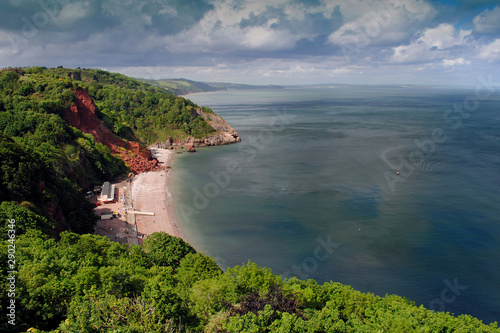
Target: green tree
{"x":164,"y":250}
{"x":195,"y":267}
{"x":25,"y":217}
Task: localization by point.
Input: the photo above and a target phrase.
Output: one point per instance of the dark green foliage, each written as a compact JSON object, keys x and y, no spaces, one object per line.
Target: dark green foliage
{"x":195,"y":267}
{"x":98,"y":312}
{"x":25,"y":216}
{"x":20,"y":173}
{"x":45,"y":198}
{"x":274,"y":304}
{"x":102,"y":286}
{"x":99,"y":281}
{"x":164,"y":250}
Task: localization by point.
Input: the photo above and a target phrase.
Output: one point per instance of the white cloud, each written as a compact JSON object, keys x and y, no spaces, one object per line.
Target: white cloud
{"x":219,"y":31}
{"x":488,"y":21}
{"x":7,"y":47}
{"x":490,"y":52}
{"x":71,"y":12}
{"x":374,"y":22}
{"x":444,"y":36}
{"x":266,"y":39}
{"x":385,"y":22}
{"x":453,"y":62}
{"x":433,"y":43}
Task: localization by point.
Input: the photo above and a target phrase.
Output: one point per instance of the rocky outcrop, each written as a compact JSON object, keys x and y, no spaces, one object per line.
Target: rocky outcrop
{"x":82,"y":115}
{"x":225,"y":134}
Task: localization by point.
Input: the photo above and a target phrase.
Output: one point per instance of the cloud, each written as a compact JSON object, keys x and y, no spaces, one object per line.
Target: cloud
{"x":268,"y":39}
{"x":443,"y":36}
{"x":71,"y":12}
{"x":488,"y":21}
{"x":384,"y":23}
{"x":253,"y":26}
{"x":179,"y":15}
{"x":490,"y":52}
{"x":433,"y":43}
{"x":287,"y":40}
{"x":453,"y":62}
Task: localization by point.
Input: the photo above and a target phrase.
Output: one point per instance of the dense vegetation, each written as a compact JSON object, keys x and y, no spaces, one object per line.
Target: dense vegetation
{"x":46,"y":165}
{"x":130,"y":108}
{"x":77,"y":282}
{"x":86,"y":283}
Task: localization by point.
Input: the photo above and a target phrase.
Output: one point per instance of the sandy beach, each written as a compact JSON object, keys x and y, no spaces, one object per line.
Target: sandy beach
{"x":150,"y":195}
{"x":143,"y":205}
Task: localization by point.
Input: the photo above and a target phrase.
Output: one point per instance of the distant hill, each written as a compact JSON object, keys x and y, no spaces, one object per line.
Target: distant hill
{"x":237,"y":86}
{"x":181,"y":86}
{"x":185,"y":86}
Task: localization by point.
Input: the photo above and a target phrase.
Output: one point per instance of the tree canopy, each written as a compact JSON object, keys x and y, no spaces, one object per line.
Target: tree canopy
{"x":87,"y":283}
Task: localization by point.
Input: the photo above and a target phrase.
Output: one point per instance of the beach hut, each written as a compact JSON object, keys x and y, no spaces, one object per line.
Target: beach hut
{"x":107,"y":193}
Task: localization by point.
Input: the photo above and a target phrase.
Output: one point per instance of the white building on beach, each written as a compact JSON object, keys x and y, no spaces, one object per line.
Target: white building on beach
{"x":107,"y":193}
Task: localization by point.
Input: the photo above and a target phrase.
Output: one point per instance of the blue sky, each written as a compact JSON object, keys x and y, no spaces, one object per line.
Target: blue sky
{"x":262,"y":42}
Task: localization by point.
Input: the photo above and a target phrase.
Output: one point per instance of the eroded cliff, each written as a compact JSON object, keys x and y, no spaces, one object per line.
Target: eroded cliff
{"x":82,"y":115}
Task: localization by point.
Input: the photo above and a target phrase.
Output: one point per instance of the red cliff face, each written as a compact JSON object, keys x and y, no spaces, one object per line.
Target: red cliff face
{"x":82,"y":115}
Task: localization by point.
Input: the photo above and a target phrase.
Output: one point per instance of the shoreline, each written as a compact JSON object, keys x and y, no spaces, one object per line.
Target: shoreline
{"x":150,"y":194}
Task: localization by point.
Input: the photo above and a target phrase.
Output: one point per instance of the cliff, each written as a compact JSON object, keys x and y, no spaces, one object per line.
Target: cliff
{"x":225,"y":134}
{"x":82,"y":115}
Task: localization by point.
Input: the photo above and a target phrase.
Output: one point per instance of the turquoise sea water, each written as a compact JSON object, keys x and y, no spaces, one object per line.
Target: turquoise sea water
{"x":313,"y":190}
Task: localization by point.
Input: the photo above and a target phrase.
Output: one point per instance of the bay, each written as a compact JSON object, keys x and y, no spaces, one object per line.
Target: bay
{"x":313,"y":190}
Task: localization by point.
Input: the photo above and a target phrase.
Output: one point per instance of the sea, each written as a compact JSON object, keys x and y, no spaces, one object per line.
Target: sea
{"x":388,"y":189}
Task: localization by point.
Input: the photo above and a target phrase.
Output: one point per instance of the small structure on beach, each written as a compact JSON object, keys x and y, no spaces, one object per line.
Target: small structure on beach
{"x":137,"y":212}
{"x":107,"y":193}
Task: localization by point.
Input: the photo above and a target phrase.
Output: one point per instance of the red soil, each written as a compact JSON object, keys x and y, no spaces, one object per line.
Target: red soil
{"x":82,"y":115}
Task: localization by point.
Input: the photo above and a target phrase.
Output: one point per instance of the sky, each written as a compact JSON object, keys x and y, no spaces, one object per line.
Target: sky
{"x":426,"y":42}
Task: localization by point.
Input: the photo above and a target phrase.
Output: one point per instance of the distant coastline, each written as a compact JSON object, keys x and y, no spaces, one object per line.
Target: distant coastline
{"x":181,"y":86}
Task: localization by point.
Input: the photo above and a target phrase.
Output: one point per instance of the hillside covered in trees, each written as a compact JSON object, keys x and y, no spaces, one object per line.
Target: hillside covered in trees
{"x":47,"y":165}
{"x":68,"y":280}
{"x":86,"y":283}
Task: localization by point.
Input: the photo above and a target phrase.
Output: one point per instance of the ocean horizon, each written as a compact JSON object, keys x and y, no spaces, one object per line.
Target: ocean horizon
{"x":392,"y":190}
